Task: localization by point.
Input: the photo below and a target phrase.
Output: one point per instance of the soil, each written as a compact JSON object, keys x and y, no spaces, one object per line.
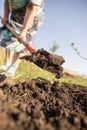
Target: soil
{"x":38,"y":104}
{"x":47,"y":61}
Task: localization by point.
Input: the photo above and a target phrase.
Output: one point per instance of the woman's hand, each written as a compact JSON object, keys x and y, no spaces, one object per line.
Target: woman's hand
{"x":22,"y":36}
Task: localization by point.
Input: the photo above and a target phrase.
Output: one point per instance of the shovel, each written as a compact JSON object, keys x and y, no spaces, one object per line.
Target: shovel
{"x":27,"y":46}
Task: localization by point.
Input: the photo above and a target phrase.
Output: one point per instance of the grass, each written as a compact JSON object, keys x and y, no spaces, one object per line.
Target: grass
{"x":31,"y":71}
{"x":74,"y":80}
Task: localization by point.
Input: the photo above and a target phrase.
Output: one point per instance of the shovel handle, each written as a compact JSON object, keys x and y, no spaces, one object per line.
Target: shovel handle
{"x":29,"y":47}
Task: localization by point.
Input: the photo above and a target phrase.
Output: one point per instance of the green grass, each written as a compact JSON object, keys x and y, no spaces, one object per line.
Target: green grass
{"x":2,"y":55}
{"x":74,"y":80}
{"x":31,"y":71}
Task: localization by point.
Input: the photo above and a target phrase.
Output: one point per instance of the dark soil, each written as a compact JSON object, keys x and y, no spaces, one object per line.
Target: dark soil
{"x":39,"y":104}
{"x":47,"y":61}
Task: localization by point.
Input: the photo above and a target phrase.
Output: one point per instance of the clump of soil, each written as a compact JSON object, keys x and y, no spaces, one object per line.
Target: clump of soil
{"x":47,"y":61}
{"x":41,"y":105}
{"x":2,"y":77}
{"x":38,"y":104}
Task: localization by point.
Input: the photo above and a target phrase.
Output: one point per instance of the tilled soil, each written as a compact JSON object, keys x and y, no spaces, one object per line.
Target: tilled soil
{"x":39,"y":104}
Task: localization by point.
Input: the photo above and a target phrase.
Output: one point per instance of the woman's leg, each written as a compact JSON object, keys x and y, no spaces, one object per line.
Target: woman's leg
{"x":9,"y":56}
{"x":16,"y":61}
{"x":14,"y":64}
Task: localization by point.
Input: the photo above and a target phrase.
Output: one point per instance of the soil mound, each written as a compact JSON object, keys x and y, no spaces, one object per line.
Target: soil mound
{"x":41,"y":105}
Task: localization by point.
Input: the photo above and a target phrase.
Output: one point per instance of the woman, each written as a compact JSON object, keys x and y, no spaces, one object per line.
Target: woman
{"x":26,"y":16}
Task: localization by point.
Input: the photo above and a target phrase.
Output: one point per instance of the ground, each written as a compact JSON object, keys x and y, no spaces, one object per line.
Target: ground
{"x":38,"y":104}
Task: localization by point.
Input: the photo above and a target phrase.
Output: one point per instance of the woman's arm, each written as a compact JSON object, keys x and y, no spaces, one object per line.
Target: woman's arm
{"x":28,"y":20}
{"x":6,"y":12}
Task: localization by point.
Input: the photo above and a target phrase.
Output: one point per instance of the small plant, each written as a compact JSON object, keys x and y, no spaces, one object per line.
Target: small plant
{"x":54,"y":47}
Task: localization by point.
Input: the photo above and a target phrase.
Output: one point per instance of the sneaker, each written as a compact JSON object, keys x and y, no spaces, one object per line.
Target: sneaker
{"x":12,"y":69}
{"x":5,"y":66}
{"x":7,"y":74}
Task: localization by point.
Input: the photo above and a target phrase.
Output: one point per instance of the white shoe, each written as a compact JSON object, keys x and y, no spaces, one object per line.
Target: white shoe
{"x":7,"y":74}
{"x":5,"y":66}
{"x":12,"y":69}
